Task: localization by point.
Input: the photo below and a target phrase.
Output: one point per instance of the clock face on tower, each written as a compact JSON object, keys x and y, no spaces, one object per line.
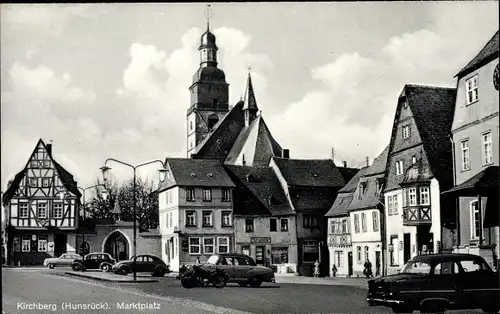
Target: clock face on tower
{"x":495,"y":77}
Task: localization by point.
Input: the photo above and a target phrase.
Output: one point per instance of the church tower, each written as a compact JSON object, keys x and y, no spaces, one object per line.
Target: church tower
{"x":209,"y":94}
{"x":250,"y":108}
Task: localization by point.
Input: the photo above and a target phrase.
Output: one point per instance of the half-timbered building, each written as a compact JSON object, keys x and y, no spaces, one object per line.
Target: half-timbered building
{"x":41,"y":202}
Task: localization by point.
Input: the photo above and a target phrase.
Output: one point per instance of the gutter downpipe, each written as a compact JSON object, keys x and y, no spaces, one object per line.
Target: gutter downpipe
{"x":457,"y":207}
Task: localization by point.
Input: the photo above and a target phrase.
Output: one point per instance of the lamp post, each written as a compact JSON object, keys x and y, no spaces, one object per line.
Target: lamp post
{"x":162,"y":172}
{"x":61,"y":196}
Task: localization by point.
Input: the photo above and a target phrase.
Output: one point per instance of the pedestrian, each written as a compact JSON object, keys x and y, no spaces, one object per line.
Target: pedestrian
{"x":368,"y":269}
{"x":316,"y":269}
{"x":334,"y":270}
{"x":198,"y":260}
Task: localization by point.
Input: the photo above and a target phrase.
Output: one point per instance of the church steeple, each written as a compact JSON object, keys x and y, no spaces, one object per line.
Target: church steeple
{"x":208,"y":48}
{"x":250,"y":108}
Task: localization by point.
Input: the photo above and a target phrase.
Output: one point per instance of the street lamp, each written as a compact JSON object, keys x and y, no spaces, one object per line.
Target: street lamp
{"x":105,"y":170}
{"x":62,"y":194}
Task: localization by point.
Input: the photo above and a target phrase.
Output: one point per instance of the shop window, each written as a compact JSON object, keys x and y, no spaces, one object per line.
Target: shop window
{"x":311,"y":251}
{"x":279,"y":255}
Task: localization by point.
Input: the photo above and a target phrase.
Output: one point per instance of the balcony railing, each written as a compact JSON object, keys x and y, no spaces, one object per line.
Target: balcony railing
{"x":417,"y":215}
{"x":339,"y":240}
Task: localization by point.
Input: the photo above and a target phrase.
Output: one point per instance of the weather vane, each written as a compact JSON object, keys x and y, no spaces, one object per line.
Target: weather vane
{"x":208,"y":14}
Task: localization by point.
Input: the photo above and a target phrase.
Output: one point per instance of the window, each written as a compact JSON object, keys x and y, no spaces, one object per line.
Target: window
{"x":399,"y":167}
{"x":284,"y":224}
{"x":406,"y":131}
{"x":332,"y":226}
{"x":226,"y":219}
{"x":363,"y":222}
{"x":42,"y":244}
{"x":413,"y":159}
{"x":389,"y":205}
{"x":249,"y":225}
{"x":170,"y":219}
{"x":475,"y":219}
{"x":241,"y":260}
{"x":367,"y":252}
{"x":395,"y":201}
{"x":309,"y":221}
{"x":273,"y":224}
{"x":279,"y":255}
{"x":194,"y":245}
{"x":26,"y":244}
{"x":311,"y":251}
{"x":42,"y":210}
{"x":416,"y":268}
{"x":446,"y":268}
{"x":191,"y":125}
{"x":393,"y":249}
{"x":226,"y":195}
{"x":190,"y":194}
{"x":344,"y":226}
{"x":465,"y":155}
{"x":45,"y":182}
{"x":34,"y":182}
{"x":358,"y":254}
{"x":339,"y":258}
{"x":207,"y":218}
{"x":424,"y":195}
{"x":356,"y":223}
{"x":223,"y":245}
{"x":23,"y":210}
{"x":471,"y":87}
{"x":362,"y":189}
{"x":245,"y":250}
{"x":487,"y":150}
{"x":57,"y":211}
{"x":190,"y":218}
{"x":208,"y":245}
{"x":34,"y":164}
{"x":375,"y":220}
{"x":474,"y":265}
{"x":207,"y":195}
{"x":412,"y":195}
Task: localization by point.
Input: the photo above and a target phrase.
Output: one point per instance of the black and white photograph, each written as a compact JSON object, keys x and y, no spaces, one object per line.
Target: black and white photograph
{"x":250,"y":157}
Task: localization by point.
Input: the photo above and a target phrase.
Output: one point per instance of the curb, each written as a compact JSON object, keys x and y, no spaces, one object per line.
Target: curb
{"x":108,"y":279}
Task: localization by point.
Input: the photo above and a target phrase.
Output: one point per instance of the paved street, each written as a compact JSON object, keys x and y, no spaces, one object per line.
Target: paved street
{"x":51,"y":287}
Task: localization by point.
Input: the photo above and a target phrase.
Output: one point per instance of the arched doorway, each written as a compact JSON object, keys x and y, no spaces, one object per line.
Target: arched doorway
{"x":117,"y":245}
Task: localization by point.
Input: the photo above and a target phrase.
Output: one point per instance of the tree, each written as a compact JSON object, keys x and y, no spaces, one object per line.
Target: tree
{"x":146,"y":203}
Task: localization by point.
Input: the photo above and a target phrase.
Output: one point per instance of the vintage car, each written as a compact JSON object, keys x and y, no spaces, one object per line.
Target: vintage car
{"x":144,"y":263}
{"x":436,"y":283}
{"x":65,"y":260}
{"x":102,"y":261}
{"x":241,"y":269}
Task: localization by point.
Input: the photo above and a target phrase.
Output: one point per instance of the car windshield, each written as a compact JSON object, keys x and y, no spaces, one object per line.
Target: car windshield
{"x":213,"y":259}
{"x":413,"y":267}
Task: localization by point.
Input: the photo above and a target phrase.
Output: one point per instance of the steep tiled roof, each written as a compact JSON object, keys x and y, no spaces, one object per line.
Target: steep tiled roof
{"x":255,"y":145}
{"x":353,"y":183}
{"x":432,"y":108}
{"x":339,"y":207}
{"x":218,"y":143}
{"x":196,"y":173}
{"x":310,"y":172}
{"x":379,"y":164}
{"x":348,"y":173}
{"x":487,"y":54}
{"x":258,"y":192}
{"x":66,"y":178}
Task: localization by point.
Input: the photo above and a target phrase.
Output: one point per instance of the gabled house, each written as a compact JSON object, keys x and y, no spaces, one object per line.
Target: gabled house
{"x":476,"y":158}
{"x":339,"y":229}
{"x":264,"y":218}
{"x":195,"y":211}
{"x":311,"y":186}
{"x":366,"y":211}
{"x":419,"y":168}
{"x":42,"y":204}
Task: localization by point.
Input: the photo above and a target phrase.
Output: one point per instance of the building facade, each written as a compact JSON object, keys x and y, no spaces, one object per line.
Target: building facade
{"x":419,"y":168}
{"x":475,"y":134}
{"x":42,"y":202}
{"x":196,"y":211}
{"x":366,"y":212}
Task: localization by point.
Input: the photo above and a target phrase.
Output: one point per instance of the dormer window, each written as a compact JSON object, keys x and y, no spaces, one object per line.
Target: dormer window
{"x":406,"y":131}
{"x":399,"y":167}
{"x":472,"y":90}
{"x":405,"y":103}
{"x":362,"y":189}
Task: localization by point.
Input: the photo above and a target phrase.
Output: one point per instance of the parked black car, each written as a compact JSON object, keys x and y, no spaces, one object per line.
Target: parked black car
{"x":144,"y":263}
{"x":100,"y":260}
{"x":438,"y":282}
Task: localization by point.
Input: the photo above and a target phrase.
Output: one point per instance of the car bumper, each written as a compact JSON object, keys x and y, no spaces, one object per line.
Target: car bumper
{"x":374,"y":301}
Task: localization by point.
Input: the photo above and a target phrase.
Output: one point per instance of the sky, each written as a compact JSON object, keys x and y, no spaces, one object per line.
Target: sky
{"x":111,"y":80}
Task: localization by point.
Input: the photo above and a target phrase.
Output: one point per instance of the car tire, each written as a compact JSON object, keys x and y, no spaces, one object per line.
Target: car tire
{"x":105,"y":268}
{"x":76,"y":267}
{"x":491,"y":309}
{"x":159,"y":273}
{"x":401,"y":309}
{"x":432,"y":307}
{"x":123,"y":271}
{"x":51,"y":266}
{"x":254,"y":282}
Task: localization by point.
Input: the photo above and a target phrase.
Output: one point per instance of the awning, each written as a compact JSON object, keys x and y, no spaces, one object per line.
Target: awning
{"x":485,"y":183}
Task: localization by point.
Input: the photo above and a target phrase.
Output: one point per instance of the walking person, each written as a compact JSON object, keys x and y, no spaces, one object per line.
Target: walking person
{"x":368,"y":269}
{"x":316,"y":269}
{"x":334,"y":270}
{"x":198,"y":260}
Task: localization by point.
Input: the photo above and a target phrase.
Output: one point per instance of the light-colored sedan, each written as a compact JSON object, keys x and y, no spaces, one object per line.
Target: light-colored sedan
{"x":64,"y":260}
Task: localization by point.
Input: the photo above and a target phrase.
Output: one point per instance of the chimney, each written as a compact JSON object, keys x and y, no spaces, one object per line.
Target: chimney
{"x":286,"y":154}
{"x":333,"y":153}
{"x":344,"y":163}
{"x":9,"y":183}
{"x":367,"y":161}
{"x":243,"y":161}
{"x":49,"y":149}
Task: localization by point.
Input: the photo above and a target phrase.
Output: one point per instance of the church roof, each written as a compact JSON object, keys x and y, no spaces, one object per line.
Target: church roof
{"x":310,"y":172}
{"x":209,"y":74}
{"x":249,"y":101}
{"x":254,"y":145}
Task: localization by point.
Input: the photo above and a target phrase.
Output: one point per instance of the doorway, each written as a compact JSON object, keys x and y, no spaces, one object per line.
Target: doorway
{"x":349,"y":264}
{"x":260,"y":257}
{"x":60,"y":242}
{"x":117,"y":246}
{"x":406,"y":247}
